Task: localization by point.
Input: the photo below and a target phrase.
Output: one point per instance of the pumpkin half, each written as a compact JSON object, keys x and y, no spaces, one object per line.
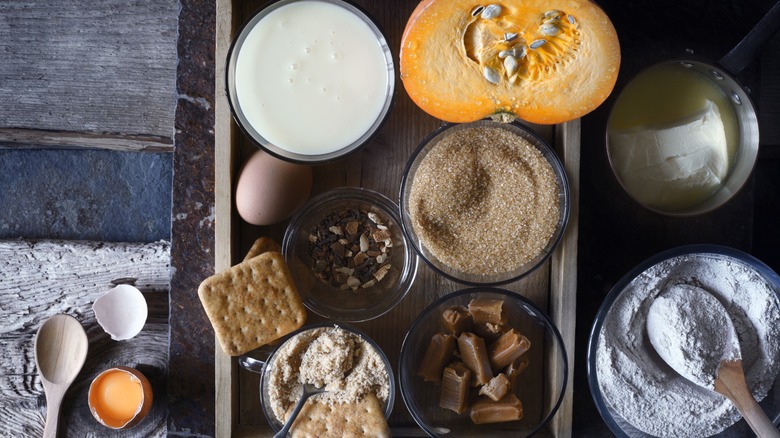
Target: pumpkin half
{"x":544,"y":61}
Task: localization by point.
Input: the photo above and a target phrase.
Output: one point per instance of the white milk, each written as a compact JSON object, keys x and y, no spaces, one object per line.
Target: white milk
{"x":311,"y":77}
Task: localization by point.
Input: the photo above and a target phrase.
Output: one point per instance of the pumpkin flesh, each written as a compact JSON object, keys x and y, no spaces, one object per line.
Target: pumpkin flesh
{"x":455,"y":64}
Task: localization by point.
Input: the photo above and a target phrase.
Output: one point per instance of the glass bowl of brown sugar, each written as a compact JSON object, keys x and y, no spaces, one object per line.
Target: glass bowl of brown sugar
{"x":348,"y":255}
{"x":484,"y":203}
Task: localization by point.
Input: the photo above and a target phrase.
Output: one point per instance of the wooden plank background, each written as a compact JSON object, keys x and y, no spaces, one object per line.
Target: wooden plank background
{"x":83,"y":73}
{"x":40,"y":279}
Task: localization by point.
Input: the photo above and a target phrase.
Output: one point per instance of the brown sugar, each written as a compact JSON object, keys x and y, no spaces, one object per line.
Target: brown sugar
{"x":484,"y":201}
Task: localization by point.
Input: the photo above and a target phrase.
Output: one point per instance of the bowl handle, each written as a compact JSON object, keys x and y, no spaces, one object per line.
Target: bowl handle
{"x":251,"y":364}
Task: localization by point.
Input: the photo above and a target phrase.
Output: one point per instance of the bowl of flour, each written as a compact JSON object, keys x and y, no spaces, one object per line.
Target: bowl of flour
{"x":637,"y":393}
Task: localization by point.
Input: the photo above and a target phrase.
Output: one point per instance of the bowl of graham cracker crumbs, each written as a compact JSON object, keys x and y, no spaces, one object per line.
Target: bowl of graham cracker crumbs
{"x":355,"y":372}
{"x":484,"y":203}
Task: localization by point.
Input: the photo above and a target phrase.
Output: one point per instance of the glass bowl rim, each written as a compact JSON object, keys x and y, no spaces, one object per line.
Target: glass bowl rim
{"x":278,"y":152}
{"x":390,"y":209}
{"x":550,"y":156}
{"x":387,"y":408}
{"x":595,"y":333}
{"x":539,"y":314}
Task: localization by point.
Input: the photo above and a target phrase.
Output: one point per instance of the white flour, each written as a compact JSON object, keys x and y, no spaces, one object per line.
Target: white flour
{"x":692,"y":332}
{"x":637,"y":383}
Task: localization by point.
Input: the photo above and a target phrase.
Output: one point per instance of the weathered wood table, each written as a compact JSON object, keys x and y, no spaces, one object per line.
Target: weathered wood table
{"x":614,"y":233}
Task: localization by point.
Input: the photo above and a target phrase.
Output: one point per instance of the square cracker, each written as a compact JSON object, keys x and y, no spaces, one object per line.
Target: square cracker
{"x":252,"y":303}
{"x":261,"y":245}
{"x":362,"y":419}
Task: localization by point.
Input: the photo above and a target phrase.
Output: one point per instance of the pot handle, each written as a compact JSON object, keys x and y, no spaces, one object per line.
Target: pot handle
{"x":251,"y":364}
{"x":746,"y":50}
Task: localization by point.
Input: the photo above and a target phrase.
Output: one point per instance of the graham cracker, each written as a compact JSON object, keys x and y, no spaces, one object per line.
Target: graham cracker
{"x":261,"y":245}
{"x":252,"y":303}
{"x":362,"y":419}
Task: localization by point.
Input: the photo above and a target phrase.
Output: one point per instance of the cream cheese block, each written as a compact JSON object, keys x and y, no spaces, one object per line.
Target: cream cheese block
{"x":675,"y":165}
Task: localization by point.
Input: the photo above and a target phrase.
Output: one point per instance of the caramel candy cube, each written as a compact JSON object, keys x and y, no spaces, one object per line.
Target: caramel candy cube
{"x":489,"y":331}
{"x":485,"y":410}
{"x":437,"y":356}
{"x":456,"y":320}
{"x":507,"y":348}
{"x":487,"y":310}
{"x":475,"y":356}
{"x":515,"y":368}
{"x":455,"y":388}
{"x":496,"y":388}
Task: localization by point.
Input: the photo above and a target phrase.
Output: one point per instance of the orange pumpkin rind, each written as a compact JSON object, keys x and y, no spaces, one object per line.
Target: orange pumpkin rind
{"x":545,"y":62}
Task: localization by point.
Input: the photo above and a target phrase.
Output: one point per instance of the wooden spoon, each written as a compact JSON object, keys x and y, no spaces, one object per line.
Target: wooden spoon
{"x":60,"y":351}
{"x":693,"y":333}
{"x":731,"y":384}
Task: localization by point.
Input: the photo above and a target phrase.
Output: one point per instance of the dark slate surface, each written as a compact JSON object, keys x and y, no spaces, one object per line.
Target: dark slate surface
{"x":191,"y":353}
{"x":615,"y":232}
{"x":85,"y":195}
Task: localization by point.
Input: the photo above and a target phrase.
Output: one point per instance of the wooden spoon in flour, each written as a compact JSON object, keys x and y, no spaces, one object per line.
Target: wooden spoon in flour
{"x":692,"y":331}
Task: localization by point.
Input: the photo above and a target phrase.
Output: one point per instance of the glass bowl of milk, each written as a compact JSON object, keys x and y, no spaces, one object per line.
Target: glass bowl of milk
{"x":310,"y":81}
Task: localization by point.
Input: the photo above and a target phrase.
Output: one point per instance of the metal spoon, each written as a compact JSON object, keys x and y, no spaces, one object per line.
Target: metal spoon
{"x":308,"y":391}
{"x":714,"y":362}
{"x":60,"y":351}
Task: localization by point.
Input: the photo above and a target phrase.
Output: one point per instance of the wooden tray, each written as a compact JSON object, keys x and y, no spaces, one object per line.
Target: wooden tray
{"x":379,"y":167}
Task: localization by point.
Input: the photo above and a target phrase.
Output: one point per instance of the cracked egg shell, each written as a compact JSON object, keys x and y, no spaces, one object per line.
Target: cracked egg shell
{"x":121,"y":311}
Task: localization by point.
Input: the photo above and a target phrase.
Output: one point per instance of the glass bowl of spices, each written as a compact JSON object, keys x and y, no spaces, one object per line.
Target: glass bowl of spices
{"x":636,"y":392}
{"x":484,"y":203}
{"x":348,"y":255}
{"x":483,"y":362}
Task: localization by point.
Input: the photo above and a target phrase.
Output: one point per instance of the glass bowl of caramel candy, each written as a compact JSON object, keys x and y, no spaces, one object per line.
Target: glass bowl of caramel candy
{"x":484,"y":203}
{"x":348,"y":256}
{"x":483,"y":362}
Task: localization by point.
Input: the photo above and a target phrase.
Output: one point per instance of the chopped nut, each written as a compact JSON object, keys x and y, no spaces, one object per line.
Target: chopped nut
{"x":375,"y":218}
{"x":381,"y":235}
{"x":352,"y":228}
{"x":360,"y":258}
{"x":349,"y":249}
{"x":381,"y":272}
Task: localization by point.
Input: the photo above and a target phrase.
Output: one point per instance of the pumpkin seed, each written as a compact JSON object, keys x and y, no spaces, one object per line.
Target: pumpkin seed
{"x":510,"y":64}
{"x":571,"y":20}
{"x":549,"y":29}
{"x":476,"y":11}
{"x":491,"y":12}
{"x":509,"y":37}
{"x":538,"y":43}
{"x":553,"y":15}
{"x":491,"y":75}
{"x":518,"y":52}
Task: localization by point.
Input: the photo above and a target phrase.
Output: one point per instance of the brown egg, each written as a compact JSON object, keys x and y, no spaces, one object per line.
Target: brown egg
{"x":270,"y":190}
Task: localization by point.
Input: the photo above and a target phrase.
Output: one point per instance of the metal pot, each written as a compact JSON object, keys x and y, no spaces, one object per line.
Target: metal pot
{"x":721,"y":75}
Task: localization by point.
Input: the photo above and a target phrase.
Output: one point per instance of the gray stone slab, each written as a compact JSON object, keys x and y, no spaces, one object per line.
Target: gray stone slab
{"x":85,"y":195}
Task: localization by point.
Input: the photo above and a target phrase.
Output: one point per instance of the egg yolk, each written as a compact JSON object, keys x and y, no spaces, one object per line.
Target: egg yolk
{"x":116,"y":397}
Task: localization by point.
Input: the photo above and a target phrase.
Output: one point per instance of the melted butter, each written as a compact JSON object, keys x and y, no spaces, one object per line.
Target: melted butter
{"x":673,"y":137}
